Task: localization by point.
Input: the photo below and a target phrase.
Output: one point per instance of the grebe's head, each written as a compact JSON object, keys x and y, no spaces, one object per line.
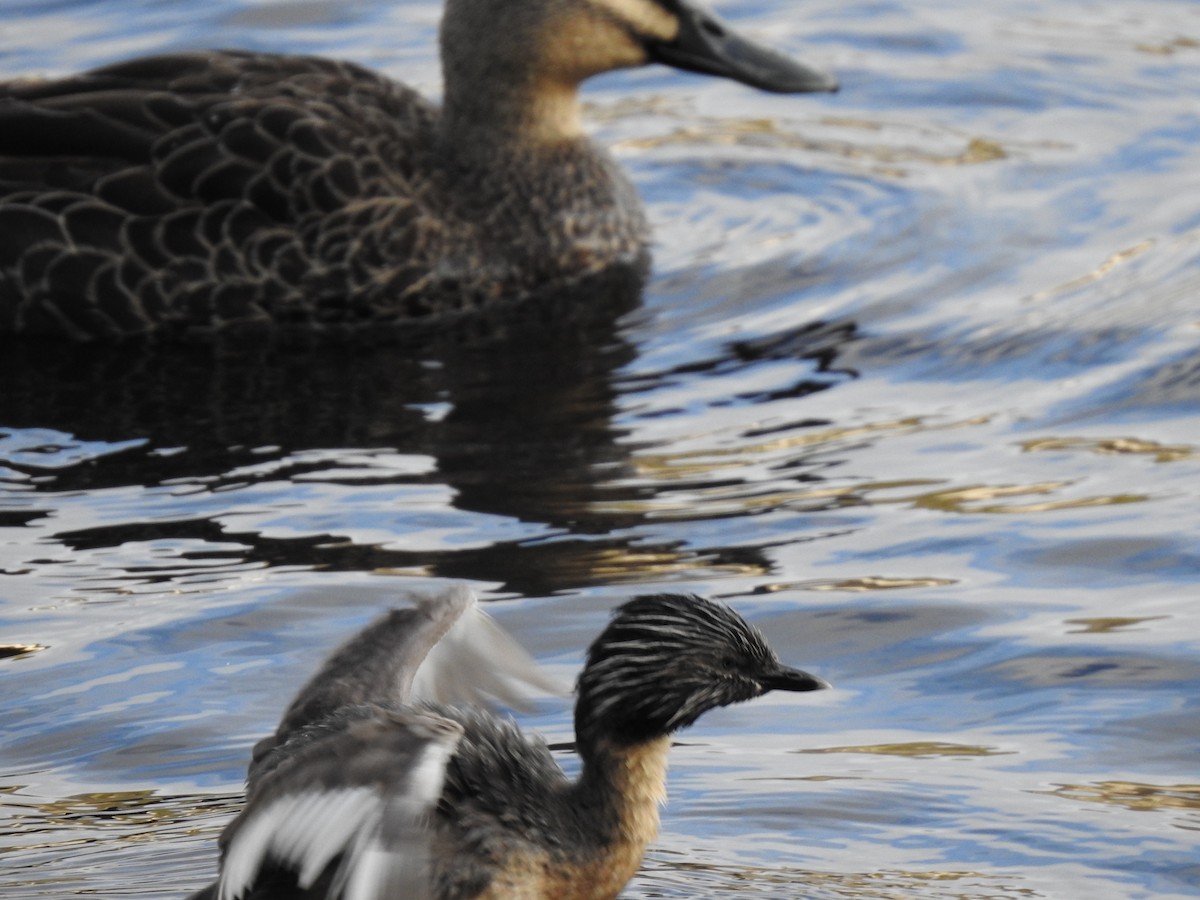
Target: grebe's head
{"x":666,"y":659}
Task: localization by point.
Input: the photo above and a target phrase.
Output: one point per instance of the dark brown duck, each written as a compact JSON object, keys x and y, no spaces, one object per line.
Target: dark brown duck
{"x":365,"y":792}
{"x":193,"y":192}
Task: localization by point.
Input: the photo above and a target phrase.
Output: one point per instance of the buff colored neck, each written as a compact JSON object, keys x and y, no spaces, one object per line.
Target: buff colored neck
{"x":625,"y":786}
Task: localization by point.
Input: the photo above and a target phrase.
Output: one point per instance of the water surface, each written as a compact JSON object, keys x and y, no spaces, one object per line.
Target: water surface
{"x":914,"y":385}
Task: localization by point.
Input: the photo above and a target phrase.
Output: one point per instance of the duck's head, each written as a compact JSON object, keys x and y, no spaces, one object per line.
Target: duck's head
{"x":665,"y":660}
{"x":541,"y":50}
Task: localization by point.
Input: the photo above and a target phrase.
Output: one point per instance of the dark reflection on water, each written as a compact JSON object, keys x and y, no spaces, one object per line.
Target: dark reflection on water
{"x":518,"y":426}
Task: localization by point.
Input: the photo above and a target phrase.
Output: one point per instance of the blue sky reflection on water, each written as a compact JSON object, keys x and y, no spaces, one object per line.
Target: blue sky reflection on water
{"x":914,"y":386}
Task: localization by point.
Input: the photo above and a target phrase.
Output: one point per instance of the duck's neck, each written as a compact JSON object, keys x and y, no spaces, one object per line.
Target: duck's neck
{"x":518,"y":115}
{"x":505,"y":82}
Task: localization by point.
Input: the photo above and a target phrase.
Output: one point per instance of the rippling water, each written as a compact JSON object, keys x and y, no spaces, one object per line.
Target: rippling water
{"x":915,"y":386}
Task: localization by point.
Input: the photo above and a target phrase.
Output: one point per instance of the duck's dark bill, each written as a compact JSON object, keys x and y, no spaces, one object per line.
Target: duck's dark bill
{"x":706,"y":44}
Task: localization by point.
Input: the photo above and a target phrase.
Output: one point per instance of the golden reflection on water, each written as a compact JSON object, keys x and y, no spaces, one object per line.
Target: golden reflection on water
{"x":627,"y":564}
{"x":1113,"y":262}
{"x":768,"y":132}
{"x":46,"y":834}
{"x":860,"y":584}
{"x":704,"y":502}
{"x":734,"y":497}
{"x":961,"y":500}
{"x":30,"y":816}
{"x":738,"y":497}
{"x":404,"y":571}
{"x":1132,"y":795}
{"x":714,"y":459}
{"x":1108,"y":625}
{"x":1170,"y":47}
{"x":665,"y":869}
{"x":890,"y":884}
{"x":915,"y":749}
{"x":55,"y":847}
{"x":1162,"y":453}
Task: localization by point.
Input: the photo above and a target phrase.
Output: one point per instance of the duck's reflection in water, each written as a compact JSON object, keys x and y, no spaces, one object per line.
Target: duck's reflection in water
{"x":515,"y":418}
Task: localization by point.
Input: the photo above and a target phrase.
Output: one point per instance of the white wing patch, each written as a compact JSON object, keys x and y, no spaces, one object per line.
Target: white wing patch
{"x":392,"y":861}
{"x":304,"y":832}
{"x":477,"y":660}
{"x":378,"y":830}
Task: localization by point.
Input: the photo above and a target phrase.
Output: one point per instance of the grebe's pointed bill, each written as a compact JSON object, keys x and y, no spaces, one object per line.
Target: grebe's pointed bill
{"x":706,"y":44}
{"x":789,"y":679}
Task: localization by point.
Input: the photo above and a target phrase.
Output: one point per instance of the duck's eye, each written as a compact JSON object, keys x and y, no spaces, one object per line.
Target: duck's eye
{"x":729,"y":663}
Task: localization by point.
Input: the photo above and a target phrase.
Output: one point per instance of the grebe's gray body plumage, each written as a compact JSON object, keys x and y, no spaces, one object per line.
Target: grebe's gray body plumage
{"x":367,"y":791}
{"x":197,"y":191}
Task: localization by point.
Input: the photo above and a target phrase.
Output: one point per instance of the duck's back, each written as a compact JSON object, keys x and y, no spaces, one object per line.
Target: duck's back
{"x":69,"y":133}
{"x":191,"y":191}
